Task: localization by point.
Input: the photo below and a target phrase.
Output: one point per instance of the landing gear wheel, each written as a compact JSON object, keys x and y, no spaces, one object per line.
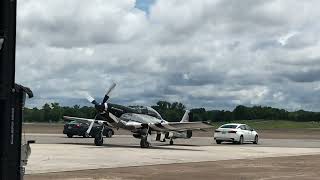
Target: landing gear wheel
{"x":171,"y":142}
{"x":144,"y":143}
{"x":98,"y":140}
{"x":69,"y":135}
{"x":256,"y":140}
{"x":240,"y":140}
{"x":218,"y":141}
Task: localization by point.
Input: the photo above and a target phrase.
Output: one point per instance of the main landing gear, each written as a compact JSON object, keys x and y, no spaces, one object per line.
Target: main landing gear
{"x":144,"y":138}
{"x":171,"y":142}
{"x":98,"y":139}
{"x":144,"y":142}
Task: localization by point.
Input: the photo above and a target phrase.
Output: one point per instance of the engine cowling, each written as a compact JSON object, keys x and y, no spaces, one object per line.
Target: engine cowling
{"x":173,"y":135}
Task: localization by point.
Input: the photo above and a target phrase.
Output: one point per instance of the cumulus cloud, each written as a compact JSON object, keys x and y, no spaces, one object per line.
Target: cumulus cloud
{"x":210,"y":53}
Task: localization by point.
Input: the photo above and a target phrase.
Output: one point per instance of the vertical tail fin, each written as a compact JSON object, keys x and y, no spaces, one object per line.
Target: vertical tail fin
{"x":185,"y":117}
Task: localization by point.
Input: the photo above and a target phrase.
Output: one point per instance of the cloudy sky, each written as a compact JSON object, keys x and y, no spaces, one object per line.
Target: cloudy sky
{"x":204,"y":53}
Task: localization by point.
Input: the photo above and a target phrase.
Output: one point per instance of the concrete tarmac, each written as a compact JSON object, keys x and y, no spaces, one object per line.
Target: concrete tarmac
{"x":128,"y":140}
{"x":273,"y":168}
{"x":55,"y":153}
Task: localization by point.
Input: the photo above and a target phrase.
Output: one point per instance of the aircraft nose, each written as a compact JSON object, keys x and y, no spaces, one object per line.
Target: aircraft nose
{"x":101,"y":107}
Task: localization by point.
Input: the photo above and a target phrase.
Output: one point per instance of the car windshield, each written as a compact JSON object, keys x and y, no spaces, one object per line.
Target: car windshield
{"x":230,"y":126}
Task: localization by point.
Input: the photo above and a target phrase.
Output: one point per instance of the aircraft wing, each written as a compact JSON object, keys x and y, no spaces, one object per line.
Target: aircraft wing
{"x":69,"y":118}
{"x":180,"y":126}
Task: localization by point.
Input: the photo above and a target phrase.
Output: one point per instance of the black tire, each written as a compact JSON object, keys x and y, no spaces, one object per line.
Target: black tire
{"x":109,"y":134}
{"x":218,"y":141}
{"x":171,"y":142}
{"x":144,"y":143}
{"x":98,"y":140}
{"x":241,"y":140}
{"x":69,"y":135}
{"x":256,"y":140}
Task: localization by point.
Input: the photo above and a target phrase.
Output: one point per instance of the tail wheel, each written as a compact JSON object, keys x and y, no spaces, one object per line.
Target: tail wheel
{"x":256,"y":140}
{"x":69,"y":135}
{"x":218,"y":141}
{"x":241,"y":140}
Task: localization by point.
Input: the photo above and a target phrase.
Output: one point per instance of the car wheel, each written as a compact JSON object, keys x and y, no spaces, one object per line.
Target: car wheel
{"x":256,"y":140}
{"x":240,"y":140}
{"x":218,"y":141}
{"x":109,"y":134}
{"x":69,"y":135}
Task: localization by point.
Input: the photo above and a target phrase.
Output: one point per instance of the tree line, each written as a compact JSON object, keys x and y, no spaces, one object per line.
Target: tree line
{"x":53,"y":112}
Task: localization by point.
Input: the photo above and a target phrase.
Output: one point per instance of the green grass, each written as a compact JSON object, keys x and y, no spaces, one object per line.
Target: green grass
{"x":274,"y":124}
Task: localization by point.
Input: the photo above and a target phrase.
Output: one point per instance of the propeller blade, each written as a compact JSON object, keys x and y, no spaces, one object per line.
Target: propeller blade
{"x":91,"y":99}
{"x":111,"y":88}
{"x":91,"y":124}
{"x":90,"y":127}
{"x":106,"y":97}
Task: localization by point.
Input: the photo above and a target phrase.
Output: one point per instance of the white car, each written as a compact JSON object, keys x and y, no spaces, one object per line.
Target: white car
{"x":236,"y":133}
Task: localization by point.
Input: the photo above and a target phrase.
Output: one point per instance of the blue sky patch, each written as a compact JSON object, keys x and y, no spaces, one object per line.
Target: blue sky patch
{"x":144,"y":4}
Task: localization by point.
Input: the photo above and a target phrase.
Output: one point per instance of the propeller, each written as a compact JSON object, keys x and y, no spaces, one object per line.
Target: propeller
{"x":106,"y":96}
{"x":101,"y":108}
{"x":91,"y":100}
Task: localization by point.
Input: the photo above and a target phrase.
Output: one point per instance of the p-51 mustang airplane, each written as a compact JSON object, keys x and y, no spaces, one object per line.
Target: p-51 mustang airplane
{"x":141,"y":121}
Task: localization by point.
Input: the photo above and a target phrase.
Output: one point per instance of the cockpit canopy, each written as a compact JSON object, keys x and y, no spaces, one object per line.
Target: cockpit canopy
{"x":147,"y":110}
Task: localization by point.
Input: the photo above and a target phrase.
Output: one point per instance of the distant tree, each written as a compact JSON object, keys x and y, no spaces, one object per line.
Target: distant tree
{"x":168,"y":111}
{"x":174,"y":112}
{"x":46,"y":112}
{"x":56,"y":112}
{"x":242,"y":112}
